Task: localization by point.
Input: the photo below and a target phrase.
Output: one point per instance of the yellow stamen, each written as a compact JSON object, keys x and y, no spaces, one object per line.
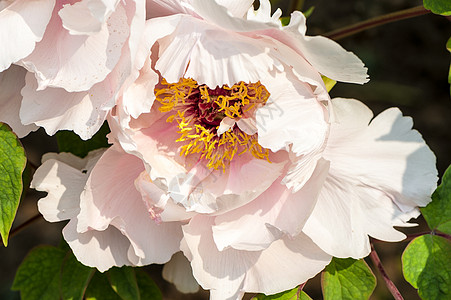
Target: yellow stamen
{"x":201,"y":137}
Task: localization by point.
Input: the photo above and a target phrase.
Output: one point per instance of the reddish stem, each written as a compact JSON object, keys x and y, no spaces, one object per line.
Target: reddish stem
{"x":377,"y":21}
{"x":390,"y":285}
{"x":22,"y":226}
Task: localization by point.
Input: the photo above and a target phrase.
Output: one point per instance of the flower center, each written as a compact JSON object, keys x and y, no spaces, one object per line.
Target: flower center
{"x":199,"y":110}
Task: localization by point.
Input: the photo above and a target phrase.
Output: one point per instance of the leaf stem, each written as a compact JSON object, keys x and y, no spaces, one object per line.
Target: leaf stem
{"x":22,"y":226}
{"x":390,"y":285}
{"x":300,"y":287}
{"x":376,"y":21}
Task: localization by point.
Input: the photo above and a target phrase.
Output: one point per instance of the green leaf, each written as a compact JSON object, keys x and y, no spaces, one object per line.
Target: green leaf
{"x":347,"y":279}
{"x":99,"y":288}
{"x":12,"y":164}
{"x":68,"y":141}
{"x":287,"y":295}
{"x":38,"y":277}
{"x":438,"y":213}
{"x":285,"y":21}
{"x":74,"y":278}
{"x":426,"y":266}
{"x":440,"y":7}
{"x":147,"y":287}
{"x":123,"y":282}
{"x":309,"y":11}
{"x":330,"y":83}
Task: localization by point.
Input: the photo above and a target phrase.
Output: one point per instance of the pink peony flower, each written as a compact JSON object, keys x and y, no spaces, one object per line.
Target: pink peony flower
{"x":228,"y":148}
{"x":78,"y":55}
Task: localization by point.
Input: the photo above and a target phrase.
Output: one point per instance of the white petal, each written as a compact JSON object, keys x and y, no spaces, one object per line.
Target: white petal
{"x":230,"y":273}
{"x":200,"y":51}
{"x":225,"y":125}
{"x":379,"y":173}
{"x":63,"y":176}
{"x":11,"y":82}
{"x":325,"y":55}
{"x":98,"y":249}
{"x":93,"y":13}
{"x":278,"y":210}
{"x":110,"y":198}
{"x":77,"y":62}
{"x":237,"y":8}
{"x":22,"y":24}
{"x":56,"y":109}
{"x":178,"y":271}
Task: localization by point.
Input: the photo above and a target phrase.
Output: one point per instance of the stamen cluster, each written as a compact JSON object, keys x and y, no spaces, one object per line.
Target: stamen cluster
{"x":199,"y":110}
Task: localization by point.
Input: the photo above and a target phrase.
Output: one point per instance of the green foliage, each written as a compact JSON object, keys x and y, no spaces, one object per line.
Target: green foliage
{"x":438,"y":213}
{"x":74,"y":278}
{"x":440,"y":7}
{"x":123,"y":281}
{"x":147,"y":287}
{"x":427,"y":266}
{"x":287,"y":295}
{"x":12,"y":164}
{"x":100,"y":289}
{"x":347,"y":279}
{"x":50,"y":273}
{"x":38,"y":276}
{"x":68,"y":141}
{"x":329,"y":83}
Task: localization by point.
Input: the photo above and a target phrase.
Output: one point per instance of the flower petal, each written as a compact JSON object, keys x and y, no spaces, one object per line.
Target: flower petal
{"x":379,"y":173}
{"x":78,"y":62}
{"x":178,"y":271}
{"x":22,"y":24}
{"x":228,"y":273}
{"x":93,"y":13}
{"x":11,"y":82}
{"x":56,"y":109}
{"x":110,"y":198}
{"x":278,"y":210}
{"x":98,"y":249}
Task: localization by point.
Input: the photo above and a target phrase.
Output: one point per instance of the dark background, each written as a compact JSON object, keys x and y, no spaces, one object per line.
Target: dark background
{"x":408,"y":66}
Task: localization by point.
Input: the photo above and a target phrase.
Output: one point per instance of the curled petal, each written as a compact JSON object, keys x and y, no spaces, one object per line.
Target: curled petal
{"x":380,"y":172}
{"x":22,"y":25}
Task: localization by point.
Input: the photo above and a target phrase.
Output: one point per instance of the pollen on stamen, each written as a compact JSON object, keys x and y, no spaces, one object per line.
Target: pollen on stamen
{"x":199,"y":110}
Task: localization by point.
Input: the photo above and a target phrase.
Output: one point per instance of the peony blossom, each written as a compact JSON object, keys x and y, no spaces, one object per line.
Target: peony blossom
{"x":78,"y":55}
{"x":228,"y":148}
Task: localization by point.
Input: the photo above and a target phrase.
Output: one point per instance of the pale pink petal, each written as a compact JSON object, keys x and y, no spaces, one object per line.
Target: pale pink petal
{"x":12,"y":81}
{"x":77,"y":62}
{"x":93,"y":13}
{"x":228,"y":273}
{"x":325,"y":55}
{"x":56,"y":109}
{"x":293,"y":120}
{"x":110,"y":198}
{"x":379,"y":173}
{"x":200,"y":51}
{"x":263,"y":14}
{"x":22,"y":24}
{"x":178,"y":271}
{"x":98,"y":249}
{"x":226,"y":124}
{"x":237,"y":8}
{"x":206,"y":191}
{"x":63,"y":176}
{"x":163,"y":8}
{"x":219,"y":15}
{"x":276,"y":211}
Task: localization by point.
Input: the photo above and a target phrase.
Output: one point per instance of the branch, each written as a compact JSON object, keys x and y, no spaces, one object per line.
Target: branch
{"x":377,"y":21}
{"x":390,"y":285}
{"x":22,"y":226}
